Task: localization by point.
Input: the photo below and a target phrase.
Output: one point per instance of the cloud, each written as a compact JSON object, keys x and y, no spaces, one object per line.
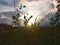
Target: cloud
{"x":40,"y":8}
{"x":33,"y":7}
{"x":3,"y":3}
{"x":8,"y":5}
{"x":6,"y":2}
{"x":6,"y":10}
{"x":32,"y":0}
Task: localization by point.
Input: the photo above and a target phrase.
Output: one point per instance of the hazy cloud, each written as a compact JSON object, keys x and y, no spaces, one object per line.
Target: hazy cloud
{"x":32,"y":0}
{"x":8,"y":5}
{"x":40,"y":7}
{"x":3,"y":3}
{"x":7,"y":2}
{"x":33,"y":7}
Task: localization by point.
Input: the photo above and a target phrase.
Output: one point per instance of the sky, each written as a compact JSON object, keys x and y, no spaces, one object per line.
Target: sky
{"x":8,"y":5}
{"x":40,"y":8}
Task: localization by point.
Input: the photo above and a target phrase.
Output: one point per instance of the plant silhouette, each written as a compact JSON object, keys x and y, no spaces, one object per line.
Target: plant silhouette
{"x":27,"y":20}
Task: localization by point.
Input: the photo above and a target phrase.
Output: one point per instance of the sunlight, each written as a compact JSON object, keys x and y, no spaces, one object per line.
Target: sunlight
{"x":40,"y":9}
{"x":31,"y":21}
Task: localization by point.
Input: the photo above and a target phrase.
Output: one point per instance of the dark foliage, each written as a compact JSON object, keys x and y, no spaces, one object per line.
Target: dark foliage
{"x":29,"y":36}
{"x":55,"y":22}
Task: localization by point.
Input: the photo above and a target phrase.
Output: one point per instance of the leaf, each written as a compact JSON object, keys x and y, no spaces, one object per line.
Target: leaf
{"x":24,"y":17}
{"x":13,"y":17}
{"x":30,"y":18}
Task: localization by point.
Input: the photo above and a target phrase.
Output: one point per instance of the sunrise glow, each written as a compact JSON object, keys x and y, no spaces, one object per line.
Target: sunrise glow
{"x":31,"y":21}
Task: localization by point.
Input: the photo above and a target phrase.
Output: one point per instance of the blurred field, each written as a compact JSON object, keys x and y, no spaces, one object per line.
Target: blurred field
{"x":29,"y":36}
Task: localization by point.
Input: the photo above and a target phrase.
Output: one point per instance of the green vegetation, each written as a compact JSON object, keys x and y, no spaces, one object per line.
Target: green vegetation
{"x":29,"y":36}
{"x":15,"y":19}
